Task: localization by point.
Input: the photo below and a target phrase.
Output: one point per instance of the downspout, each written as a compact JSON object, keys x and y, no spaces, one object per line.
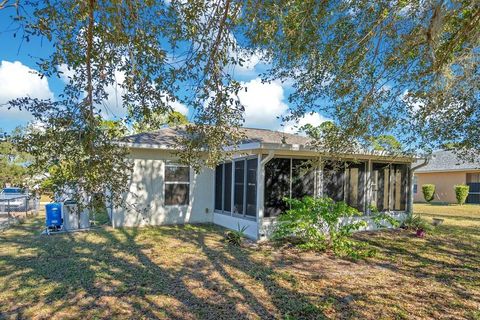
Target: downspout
{"x":261,"y":192}
{"x":410,"y":179}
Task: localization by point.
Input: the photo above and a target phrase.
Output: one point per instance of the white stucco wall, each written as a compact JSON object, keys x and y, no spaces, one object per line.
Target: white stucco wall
{"x":234,"y":223}
{"x":145,"y":199}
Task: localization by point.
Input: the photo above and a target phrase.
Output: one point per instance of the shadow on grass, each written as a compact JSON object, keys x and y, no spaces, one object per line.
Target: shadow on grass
{"x":452,"y":217}
{"x":115,"y":273}
{"x":449,"y":255}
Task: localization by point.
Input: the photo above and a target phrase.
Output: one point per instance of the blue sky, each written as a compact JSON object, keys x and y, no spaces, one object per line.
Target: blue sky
{"x":264,"y":102}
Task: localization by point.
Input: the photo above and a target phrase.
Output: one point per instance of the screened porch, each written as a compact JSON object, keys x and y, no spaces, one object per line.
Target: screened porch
{"x":245,"y":189}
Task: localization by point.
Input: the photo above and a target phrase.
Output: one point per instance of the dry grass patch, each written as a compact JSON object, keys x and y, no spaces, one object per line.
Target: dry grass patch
{"x":190,"y":273}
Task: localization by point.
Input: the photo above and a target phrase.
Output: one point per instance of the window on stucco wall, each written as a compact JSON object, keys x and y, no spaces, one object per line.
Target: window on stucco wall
{"x":177,"y":184}
{"x":244,"y":183}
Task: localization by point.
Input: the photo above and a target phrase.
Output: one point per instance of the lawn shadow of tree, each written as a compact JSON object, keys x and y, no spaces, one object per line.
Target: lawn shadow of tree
{"x":109,"y":271}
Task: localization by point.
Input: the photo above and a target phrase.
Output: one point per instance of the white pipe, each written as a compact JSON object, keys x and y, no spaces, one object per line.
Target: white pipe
{"x":261,"y":190}
{"x":269,"y":157}
{"x":410,"y":179}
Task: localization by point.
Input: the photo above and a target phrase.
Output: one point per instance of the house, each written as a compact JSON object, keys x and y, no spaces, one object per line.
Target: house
{"x":248,"y":190}
{"x":445,"y":170}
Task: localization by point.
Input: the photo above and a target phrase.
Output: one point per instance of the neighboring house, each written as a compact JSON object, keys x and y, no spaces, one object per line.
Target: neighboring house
{"x":445,"y":170}
{"x":249,"y":190}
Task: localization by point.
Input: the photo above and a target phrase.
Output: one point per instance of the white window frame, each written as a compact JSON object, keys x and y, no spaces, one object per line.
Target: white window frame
{"x":231,"y":213}
{"x":165,"y":183}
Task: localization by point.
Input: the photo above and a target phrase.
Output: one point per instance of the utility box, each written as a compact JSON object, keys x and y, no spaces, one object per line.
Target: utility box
{"x":72,"y":218}
{"x":85,"y":219}
{"x":53,"y":216}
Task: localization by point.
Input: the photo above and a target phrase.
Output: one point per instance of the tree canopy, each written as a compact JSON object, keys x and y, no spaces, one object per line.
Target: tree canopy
{"x":407,"y":68}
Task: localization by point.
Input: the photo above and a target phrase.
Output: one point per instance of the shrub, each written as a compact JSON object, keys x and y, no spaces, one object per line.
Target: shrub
{"x":315,"y":224}
{"x":428,"y":192}
{"x":235,"y":237}
{"x":415,"y":222}
{"x":461,"y":193}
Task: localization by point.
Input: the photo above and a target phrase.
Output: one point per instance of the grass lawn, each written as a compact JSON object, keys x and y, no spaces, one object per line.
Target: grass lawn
{"x":189,"y":273}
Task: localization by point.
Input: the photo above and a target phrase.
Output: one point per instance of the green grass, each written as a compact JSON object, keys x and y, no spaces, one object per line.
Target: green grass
{"x":190,"y":273}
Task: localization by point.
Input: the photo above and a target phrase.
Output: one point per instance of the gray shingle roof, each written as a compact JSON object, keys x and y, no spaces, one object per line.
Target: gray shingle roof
{"x":167,"y":137}
{"x":447,"y":160}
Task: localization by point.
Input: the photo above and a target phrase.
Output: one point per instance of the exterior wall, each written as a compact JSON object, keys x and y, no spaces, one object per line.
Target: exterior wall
{"x":234,"y":223}
{"x":444,"y":183}
{"x":145,"y":199}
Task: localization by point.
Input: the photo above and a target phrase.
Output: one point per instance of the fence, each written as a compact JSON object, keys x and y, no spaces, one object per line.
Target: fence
{"x":12,"y":209}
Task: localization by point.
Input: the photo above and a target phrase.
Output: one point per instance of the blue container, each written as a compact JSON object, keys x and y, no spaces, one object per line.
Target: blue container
{"x":53,"y":215}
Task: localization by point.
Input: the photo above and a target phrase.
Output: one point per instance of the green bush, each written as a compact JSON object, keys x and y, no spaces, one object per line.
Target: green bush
{"x":235,"y":237}
{"x":428,"y":192}
{"x":315,"y":224}
{"x":461,"y":193}
{"x":416,"y":223}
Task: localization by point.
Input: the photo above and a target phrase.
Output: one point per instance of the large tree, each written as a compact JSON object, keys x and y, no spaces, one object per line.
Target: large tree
{"x":13,"y":163}
{"x":408,"y":68}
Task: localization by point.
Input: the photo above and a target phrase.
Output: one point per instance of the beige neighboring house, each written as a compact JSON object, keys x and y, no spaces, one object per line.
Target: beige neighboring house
{"x":445,"y":170}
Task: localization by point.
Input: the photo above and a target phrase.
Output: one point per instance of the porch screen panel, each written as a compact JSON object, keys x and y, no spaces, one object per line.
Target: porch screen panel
{"x":390,"y":182}
{"x":401,"y":183}
{"x":239,"y":186}
{"x":251,"y":200}
{"x":380,"y":178}
{"x":277,"y":186}
{"x":303,"y":179}
{"x":218,"y":187}
{"x":333,"y":181}
{"x":227,"y":190}
{"x":355,"y":185}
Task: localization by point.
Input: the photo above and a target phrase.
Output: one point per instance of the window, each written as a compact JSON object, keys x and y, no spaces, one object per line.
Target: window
{"x":227,"y":187}
{"x":219,"y":187}
{"x":239,"y":186}
{"x":390,"y":186}
{"x":355,"y":185}
{"x":415,"y":184}
{"x":251,"y":196}
{"x":333,"y":180}
{"x":303,"y":179}
{"x":242,"y":176}
{"x":177,"y":184}
{"x":277,"y":186}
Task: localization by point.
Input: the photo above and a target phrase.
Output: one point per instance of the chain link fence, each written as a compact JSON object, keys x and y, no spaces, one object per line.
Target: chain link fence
{"x":13,"y":209}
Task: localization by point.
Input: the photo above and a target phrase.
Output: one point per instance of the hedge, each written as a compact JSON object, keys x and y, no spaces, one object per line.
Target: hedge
{"x":461,"y":193}
{"x":428,"y":192}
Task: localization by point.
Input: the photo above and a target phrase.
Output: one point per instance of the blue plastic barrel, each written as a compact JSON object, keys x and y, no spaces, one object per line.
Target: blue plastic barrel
{"x":53,"y":213}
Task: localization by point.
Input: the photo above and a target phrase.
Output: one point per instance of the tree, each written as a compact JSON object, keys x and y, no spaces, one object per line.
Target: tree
{"x":408,"y":68}
{"x":94,"y":41}
{"x":154,"y":121}
{"x":13,"y":163}
{"x":387,"y":143}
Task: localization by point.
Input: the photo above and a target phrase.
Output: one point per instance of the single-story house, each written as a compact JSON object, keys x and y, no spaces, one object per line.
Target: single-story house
{"x":445,"y":170}
{"x":248,"y":190}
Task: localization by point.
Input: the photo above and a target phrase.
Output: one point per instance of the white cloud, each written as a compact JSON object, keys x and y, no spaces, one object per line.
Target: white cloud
{"x":66,"y":72}
{"x":263,"y":103}
{"x":250,"y":61}
{"x":16,"y":81}
{"x":113,"y":106}
{"x":179,"y":107}
{"x":315,"y":119}
{"x":414,"y":105}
